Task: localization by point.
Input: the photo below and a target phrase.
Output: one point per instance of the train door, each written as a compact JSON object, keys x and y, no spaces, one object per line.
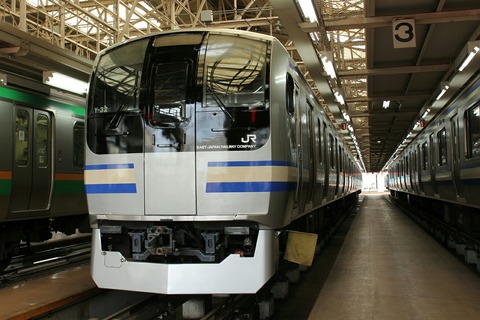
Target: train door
{"x":433,"y":163}
{"x":326,"y":163}
{"x":420,"y":165}
{"x":32,"y":165}
{"x":309,"y":158}
{"x":332,"y":171}
{"x":401,"y":178}
{"x":298,"y":137}
{"x":455,"y":163}
{"x":170,"y":184}
{"x":309,"y":163}
{"x":337,"y":167}
{"x":341,"y":172}
{"x":319,"y":177}
{"x":413,"y":171}
{"x":305,"y":171}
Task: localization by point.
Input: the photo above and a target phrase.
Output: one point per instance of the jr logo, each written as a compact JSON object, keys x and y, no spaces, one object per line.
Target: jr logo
{"x":249,"y":137}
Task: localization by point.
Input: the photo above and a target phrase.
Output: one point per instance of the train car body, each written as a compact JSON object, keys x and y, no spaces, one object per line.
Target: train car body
{"x":201,"y":146}
{"x":41,"y":167}
{"x":442,"y":164}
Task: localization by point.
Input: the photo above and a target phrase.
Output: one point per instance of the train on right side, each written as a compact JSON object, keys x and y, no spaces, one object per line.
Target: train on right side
{"x":439,"y":171}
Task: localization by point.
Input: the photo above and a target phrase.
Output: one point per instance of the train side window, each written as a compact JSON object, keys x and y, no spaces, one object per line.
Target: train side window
{"x":78,"y":145}
{"x":417,"y":158}
{"x":473,"y":131}
{"x":318,"y":139}
{"x":442,"y":147}
{"x":41,"y":141}
{"x":331,"y":151}
{"x":290,"y":88}
{"x":21,"y":137}
{"x":407,"y":165}
{"x":340,"y":159}
{"x":424,"y":156}
{"x":325,"y":141}
{"x":412,"y":165}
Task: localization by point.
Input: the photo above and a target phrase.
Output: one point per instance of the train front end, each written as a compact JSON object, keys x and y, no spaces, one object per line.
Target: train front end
{"x":179,"y":171}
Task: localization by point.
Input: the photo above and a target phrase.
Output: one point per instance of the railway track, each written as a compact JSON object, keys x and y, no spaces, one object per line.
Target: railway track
{"x":464,"y":246}
{"x":116,"y":304}
{"x":46,"y":258}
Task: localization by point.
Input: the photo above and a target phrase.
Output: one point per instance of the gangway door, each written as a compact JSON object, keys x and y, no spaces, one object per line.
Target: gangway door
{"x":170,"y":136}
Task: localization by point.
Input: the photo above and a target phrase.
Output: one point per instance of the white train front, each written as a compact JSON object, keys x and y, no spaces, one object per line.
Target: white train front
{"x":201,"y":146}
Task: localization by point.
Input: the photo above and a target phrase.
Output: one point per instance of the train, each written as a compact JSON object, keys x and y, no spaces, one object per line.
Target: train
{"x":439,"y":171}
{"x":203,"y":146}
{"x":41,"y":164}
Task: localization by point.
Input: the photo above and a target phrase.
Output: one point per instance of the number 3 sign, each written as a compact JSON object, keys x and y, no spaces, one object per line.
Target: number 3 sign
{"x":403,"y":33}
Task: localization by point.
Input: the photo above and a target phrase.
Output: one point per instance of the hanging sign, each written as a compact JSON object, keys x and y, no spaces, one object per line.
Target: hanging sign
{"x":403,"y":33}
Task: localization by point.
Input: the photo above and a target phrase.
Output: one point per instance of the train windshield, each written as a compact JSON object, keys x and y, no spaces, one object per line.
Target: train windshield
{"x":114,"y":122}
{"x":235,"y":106}
{"x":117,"y":78}
{"x":235,"y":73}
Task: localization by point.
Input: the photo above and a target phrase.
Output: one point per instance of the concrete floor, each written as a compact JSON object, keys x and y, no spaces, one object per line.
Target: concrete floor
{"x":389,"y":268}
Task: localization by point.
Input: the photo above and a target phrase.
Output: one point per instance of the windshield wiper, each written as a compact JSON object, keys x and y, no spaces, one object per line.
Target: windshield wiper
{"x":115,"y":121}
{"x":220,"y":104}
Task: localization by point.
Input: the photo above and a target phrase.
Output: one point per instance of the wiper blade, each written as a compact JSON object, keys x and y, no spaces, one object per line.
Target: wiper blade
{"x":112,"y":132}
{"x":221,"y":104}
{"x":115,"y":121}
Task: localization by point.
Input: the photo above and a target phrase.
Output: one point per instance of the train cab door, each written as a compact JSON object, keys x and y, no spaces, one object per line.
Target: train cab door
{"x":32,"y":163}
{"x":170,"y":184}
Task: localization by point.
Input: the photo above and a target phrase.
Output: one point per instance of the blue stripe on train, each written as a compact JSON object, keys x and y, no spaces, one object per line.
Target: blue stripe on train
{"x":111,"y":188}
{"x":251,"y":164}
{"x":250,"y":186}
{"x":109,"y":166}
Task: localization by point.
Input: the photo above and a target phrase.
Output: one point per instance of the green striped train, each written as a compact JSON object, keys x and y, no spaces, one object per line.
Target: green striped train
{"x":41,"y":167}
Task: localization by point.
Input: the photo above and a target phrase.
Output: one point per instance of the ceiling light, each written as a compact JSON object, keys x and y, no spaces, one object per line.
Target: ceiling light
{"x":469,"y":58}
{"x":314,"y":36}
{"x":308,"y":11}
{"x":64,"y":82}
{"x":444,"y":89}
{"x":339,"y":98}
{"x":327,"y":58}
{"x":386,"y":104}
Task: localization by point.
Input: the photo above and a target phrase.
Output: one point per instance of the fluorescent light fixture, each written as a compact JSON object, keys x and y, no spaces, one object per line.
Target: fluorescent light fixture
{"x":469,"y":58}
{"x":339,"y":98}
{"x":3,"y":79}
{"x":314,"y":36}
{"x":327,"y":58}
{"x":444,"y":89}
{"x":64,"y":82}
{"x":386,"y":104}
{"x":308,"y":11}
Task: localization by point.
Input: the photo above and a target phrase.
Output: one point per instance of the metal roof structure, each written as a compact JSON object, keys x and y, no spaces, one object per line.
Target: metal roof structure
{"x":400,"y":52}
